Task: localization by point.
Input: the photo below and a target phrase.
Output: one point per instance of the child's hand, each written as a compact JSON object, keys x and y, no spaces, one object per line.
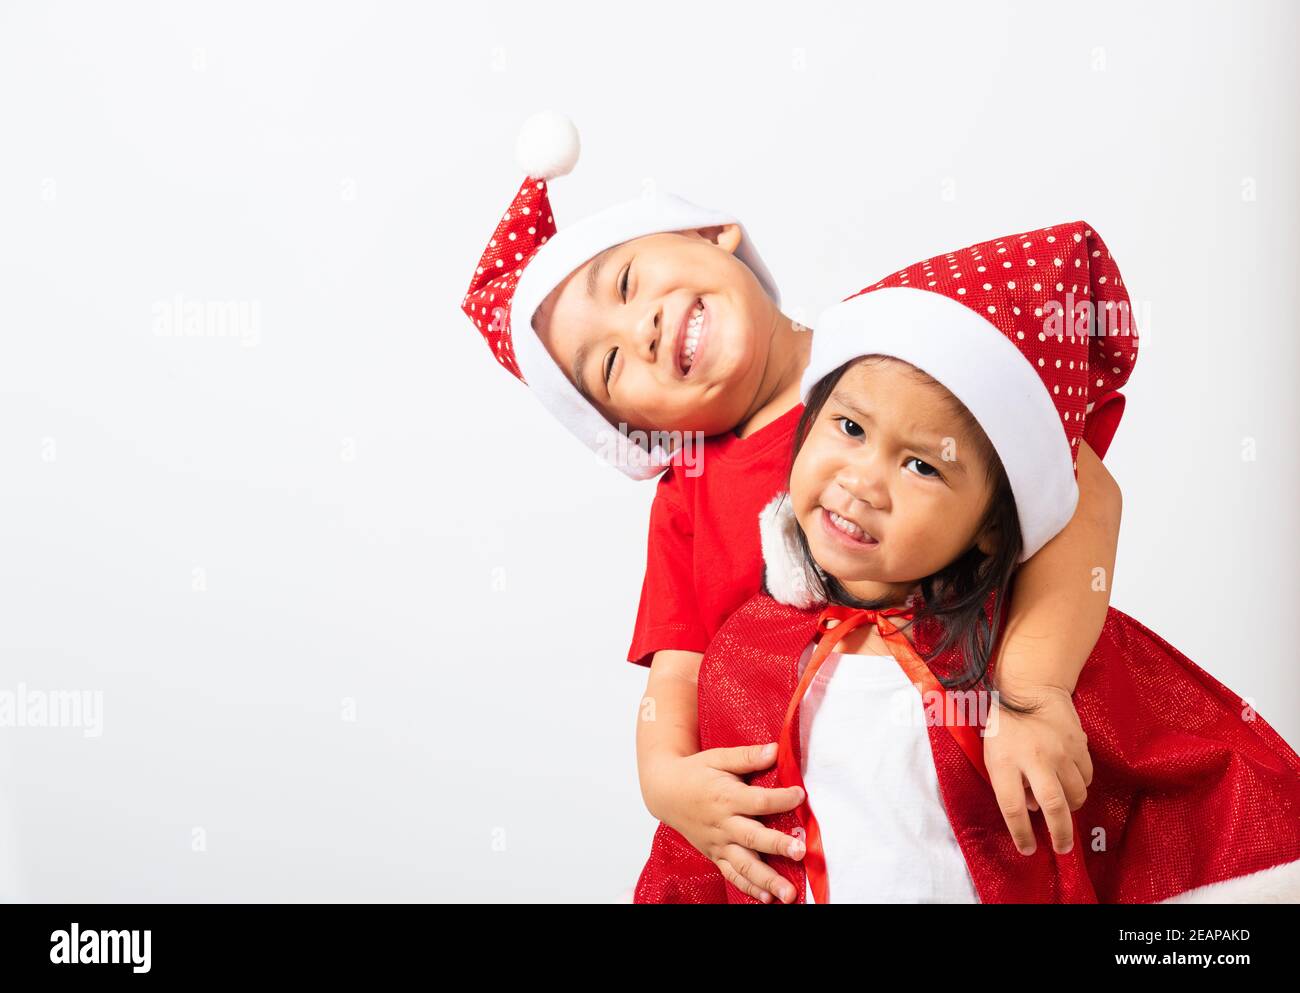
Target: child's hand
{"x":703,"y":798}
{"x":1039,"y":761}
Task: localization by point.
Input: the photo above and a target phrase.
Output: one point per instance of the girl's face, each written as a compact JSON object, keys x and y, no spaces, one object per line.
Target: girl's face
{"x":892,"y":483}
{"x":618,"y":327}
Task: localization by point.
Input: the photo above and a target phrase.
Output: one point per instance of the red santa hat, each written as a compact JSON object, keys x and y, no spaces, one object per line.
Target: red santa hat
{"x":1027,"y":331}
{"x":526,"y":258}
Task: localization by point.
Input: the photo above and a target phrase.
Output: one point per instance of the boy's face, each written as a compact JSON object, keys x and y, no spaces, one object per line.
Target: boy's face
{"x":621,"y":327}
{"x":891,"y":458}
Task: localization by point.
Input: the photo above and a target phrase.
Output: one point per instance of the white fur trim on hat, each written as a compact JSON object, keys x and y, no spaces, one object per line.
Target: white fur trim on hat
{"x":981,"y":368}
{"x":1279,"y":884}
{"x":785,"y":573}
{"x":653,"y":213}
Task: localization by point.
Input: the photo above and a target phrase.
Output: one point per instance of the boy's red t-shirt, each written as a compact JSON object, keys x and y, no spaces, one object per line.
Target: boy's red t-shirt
{"x":704,"y":558}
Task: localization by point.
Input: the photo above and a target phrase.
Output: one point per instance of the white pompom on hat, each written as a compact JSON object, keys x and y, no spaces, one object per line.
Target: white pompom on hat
{"x":527,"y":257}
{"x":547,"y":146}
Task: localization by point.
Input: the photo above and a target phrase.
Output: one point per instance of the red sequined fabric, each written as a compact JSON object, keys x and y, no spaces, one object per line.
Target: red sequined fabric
{"x":1190,"y":786}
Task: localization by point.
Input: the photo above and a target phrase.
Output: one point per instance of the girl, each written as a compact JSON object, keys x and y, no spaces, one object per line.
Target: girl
{"x":936,"y":452}
{"x":658,"y":316}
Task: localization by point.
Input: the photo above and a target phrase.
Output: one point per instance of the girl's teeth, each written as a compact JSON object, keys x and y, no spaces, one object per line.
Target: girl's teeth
{"x":846,"y":525}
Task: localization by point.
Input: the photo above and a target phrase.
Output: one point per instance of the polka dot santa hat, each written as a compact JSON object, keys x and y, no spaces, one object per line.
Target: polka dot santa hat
{"x":527,"y":257}
{"x":1033,"y":332}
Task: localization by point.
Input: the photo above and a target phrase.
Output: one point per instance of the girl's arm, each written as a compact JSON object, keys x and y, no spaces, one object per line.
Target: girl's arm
{"x":1058,"y":605}
{"x":700,"y":794}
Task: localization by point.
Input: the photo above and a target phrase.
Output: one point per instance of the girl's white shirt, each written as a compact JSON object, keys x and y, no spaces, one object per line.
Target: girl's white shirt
{"x":872,"y":785}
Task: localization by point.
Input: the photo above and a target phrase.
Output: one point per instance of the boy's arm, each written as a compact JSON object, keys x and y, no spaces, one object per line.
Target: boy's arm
{"x":668,"y":722}
{"x":1058,"y":606}
{"x":701,"y":794}
{"x":1061,"y":594}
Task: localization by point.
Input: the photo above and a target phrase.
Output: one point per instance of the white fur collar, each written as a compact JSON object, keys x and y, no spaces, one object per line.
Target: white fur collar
{"x":786,"y":577}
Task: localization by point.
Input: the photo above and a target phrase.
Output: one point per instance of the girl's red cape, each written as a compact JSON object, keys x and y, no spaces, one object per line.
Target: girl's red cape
{"x":1194,"y":795}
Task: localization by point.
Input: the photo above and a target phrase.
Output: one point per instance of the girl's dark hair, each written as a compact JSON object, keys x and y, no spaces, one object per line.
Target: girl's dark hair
{"x":956,"y":597}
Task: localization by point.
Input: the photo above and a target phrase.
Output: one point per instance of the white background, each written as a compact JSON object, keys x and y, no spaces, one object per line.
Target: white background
{"x":354,"y":485}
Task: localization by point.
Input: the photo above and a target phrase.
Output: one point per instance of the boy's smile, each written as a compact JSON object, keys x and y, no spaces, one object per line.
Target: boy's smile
{"x":690,"y":334}
{"x":668,"y":332}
